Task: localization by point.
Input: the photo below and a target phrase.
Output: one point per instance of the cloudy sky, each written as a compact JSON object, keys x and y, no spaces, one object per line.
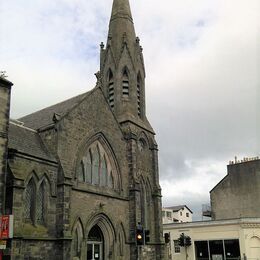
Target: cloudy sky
{"x":202,"y":61}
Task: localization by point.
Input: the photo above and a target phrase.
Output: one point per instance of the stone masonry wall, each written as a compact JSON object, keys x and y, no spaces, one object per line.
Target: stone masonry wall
{"x":5,"y":90}
{"x":238,"y":194}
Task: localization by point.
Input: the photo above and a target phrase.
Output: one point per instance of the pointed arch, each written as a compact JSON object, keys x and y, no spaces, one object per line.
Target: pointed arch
{"x":143,"y":135}
{"x":29,"y":206}
{"x":77,"y":238}
{"x":146,"y":202}
{"x":104,"y":223}
{"x":33,"y":176}
{"x":125,"y":82}
{"x":110,"y":76}
{"x":121,"y":240}
{"x":103,"y":161}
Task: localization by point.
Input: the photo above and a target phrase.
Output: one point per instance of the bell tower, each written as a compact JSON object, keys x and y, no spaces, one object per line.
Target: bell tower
{"x":122,"y":77}
{"x":122,"y":67}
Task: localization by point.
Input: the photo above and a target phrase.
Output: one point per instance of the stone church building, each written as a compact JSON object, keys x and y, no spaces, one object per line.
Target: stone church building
{"x":81,"y":175}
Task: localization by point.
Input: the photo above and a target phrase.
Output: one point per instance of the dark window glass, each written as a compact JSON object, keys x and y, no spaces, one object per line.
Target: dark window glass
{"x":216,"y":248}
{"x":232,"y":249}
{"x":201,"y":248}
{"x":177,"y":248}
{"x":95,"y":234}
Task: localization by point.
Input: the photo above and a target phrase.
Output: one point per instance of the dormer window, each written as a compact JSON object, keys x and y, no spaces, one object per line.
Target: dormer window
{"x":125,"y":84}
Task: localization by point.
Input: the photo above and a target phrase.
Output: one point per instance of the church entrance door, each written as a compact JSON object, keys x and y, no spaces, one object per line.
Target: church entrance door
{"x":95,"y":251}
{"x":95,"y":244}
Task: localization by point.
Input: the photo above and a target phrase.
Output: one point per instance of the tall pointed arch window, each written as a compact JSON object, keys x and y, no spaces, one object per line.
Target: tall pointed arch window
{"x":98,"y":167}
{"x":125,"y":84}
{"x":87,"y":164}
{"x":36,"y":201}
{"x":95,"y":165}
{"x":40,"y":203}
{"x":111,"y":91}
{"x":139,"y":95}
{"x":103,"y":172}
{"x":29,"y":200}
{"x":77,"y":240}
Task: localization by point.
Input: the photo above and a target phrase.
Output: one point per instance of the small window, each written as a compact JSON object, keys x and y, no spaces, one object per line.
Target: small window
{"x":169,"y":214}
{"x":125,"y":84}
{"x":187,"y":214}
{"x":177,"y":248}
{"x":181,"y":213}
{"x":163,"y":213}
{"x":111,"y":91}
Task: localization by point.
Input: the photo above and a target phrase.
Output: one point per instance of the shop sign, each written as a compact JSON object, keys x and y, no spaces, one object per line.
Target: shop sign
{"x":6,"y":226}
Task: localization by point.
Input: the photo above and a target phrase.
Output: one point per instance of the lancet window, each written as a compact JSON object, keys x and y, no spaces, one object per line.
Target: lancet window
{"x":111,"y":91}
{"x":35,"y":206}
{"x":29,"y":200}
{"x":139,"y":95}
{"x":40,"y":203}
{"x":125,"y":84}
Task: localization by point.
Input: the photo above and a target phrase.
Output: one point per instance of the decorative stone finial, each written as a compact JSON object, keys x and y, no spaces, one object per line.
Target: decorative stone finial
{"x":3,"y":74}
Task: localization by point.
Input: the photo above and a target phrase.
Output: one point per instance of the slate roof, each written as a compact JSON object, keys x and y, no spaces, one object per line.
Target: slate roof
{"x":177,"y":208}
{"x":27,"y":141}
{"x":44,"y":117}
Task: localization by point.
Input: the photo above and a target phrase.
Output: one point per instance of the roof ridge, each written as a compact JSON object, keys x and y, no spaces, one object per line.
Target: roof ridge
{"x":22,"y":126}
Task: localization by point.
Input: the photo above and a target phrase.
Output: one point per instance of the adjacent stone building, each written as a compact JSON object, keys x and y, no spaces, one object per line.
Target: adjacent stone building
{"x":83,"y":173}
{"x":237,"y":195}
{"x":5,"y":93}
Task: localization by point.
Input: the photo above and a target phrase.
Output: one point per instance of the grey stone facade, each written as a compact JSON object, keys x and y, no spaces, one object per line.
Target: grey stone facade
{"x":89,"y":164}
{"x":5,"y":93}
{"x":238,"y":194}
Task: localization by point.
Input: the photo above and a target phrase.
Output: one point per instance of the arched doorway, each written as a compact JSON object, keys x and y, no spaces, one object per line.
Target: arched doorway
{"x":95,"y":244}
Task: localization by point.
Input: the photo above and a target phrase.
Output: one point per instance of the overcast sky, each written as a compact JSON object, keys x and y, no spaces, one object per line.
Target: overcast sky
{"x":202,"y":62}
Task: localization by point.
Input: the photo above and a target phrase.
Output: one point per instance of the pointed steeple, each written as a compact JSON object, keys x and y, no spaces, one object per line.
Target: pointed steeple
{"x":122,"y":72}
{"x":121,"y":27}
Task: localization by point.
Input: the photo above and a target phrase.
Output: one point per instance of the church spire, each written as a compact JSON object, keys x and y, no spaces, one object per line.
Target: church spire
{"x":122,"y":67}
{"x":121,"y":27}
